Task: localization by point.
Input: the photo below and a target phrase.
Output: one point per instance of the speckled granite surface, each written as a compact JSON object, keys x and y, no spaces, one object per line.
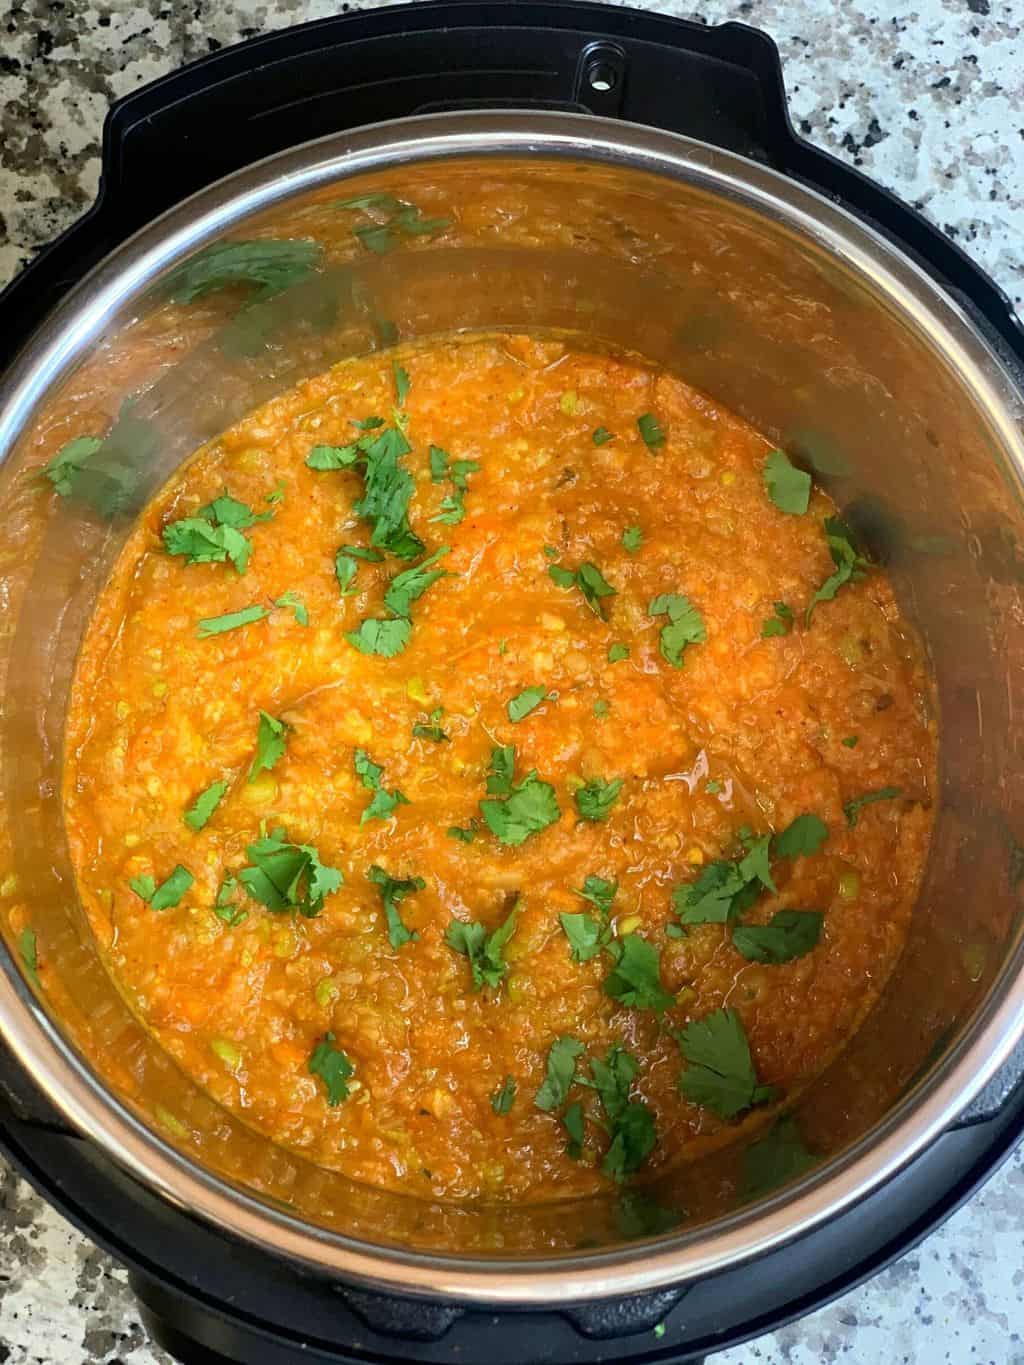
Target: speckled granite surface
{"x":929,"y":99}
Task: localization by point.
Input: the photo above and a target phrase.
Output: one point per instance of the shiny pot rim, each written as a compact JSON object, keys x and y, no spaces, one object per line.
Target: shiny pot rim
{"x":918,"y":1119}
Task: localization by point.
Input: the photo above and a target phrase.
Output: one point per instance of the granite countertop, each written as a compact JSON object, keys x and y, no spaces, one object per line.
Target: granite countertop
{"x":928,"y":99}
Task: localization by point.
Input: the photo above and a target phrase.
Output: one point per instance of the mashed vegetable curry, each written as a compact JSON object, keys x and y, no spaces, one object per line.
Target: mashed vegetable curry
{"x":495,"y":772}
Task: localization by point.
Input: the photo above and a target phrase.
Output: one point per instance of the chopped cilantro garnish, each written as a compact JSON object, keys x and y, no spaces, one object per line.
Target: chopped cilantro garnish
{"x":224,"y":906}
{"x":685,"y":625}
{"x":586,"y":936}
{"x":851,"y":565}
{"x":504,"y":1097}
{"x":410,"y":585}
{"x":277,"y":493}
{"x":713,"y":787}
{"x":851,"y":741}
{"x":523,"y":808}
{"x":788,"y":487}
{"x":618,"y":652}
{"x":432,"y":731}
{"x":651,"y":432}
{"x":271,"y":741}
{"x":214,"y":533}
{"x":29,"y":950}
{"x":602,"y":436}
{"x":269,"y":264}
{"x":323,"y":458}
{"x":630,"y":1122}
{"x":217,"y":625}
{"x":465,"y":834}
{"x":559,"y":1074}
{"x":345,"y":565}
{"x":393,"y":891}
{"x":526,"y":701}
{"x":595,"y":799}
{"x":779,"y":624}
{"x":384,"y":803}
{"x":590,"y":581}
{"x":599,"y":891}
{"x":402,"y":383}
{"x":378,"y":636}
{"x":291,"y":599}
{"x":388,"y":492}
{"x":484,"y":950}
{"x":779,"y":1157}
{"x":803,"y":837}
{"x":852,"y":809}
{"x":168,"y":893}
{"x":333,"y":1067}
{"x":635,"y":980}
{"x":441,"y":467}
{"x":286,"y":876}
{"x":204,"y":805}
{"x":789,"y":934}
{"x":69,"y":460}
{"x":405,"y":220}
{"x":720,"y":1075}
{"x":632,"y":539}
{"x":573,"y":1120}
{"x":601,"y":708}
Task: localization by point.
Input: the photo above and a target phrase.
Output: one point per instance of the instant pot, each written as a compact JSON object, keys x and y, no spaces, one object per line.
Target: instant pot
{"x":651,"y":195}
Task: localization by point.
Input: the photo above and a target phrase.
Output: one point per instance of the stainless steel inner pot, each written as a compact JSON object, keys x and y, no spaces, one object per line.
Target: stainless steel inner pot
{"x":762,"y":293}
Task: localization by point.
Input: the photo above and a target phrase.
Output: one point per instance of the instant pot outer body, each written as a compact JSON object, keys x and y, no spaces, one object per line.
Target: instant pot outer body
{"x":892,"y":368}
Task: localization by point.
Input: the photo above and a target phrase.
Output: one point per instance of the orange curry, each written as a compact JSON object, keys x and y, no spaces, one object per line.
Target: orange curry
{"x":493,"y":771}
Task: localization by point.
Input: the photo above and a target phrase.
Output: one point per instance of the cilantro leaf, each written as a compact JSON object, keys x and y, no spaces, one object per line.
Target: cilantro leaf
{"x":504,"y":1097}
{"x":388,"y":491}
{"x":228,"y":511}
{"x":595,"y":799}
{"x":333,"y":1067}
{"x":402,"y":382}
{"x":484,"y":950}
{"x":559,"y":1074}
{"x":685,"y":625}
{"x":852,"y":809}
{"x":850,"y":742}
{"x":199,"y":542}
{"x":384,"y":803}
{"x":204,"y":805}
{"x":590,"y":581}
{"x":393,"y":891}
{"x":633,"y":1139}
{"x":617,"y":652}
{"x":573,"y":1120}
{"x":271,"y":742}
{"x":789,"y":934}
{"x":599,"y":892}
{"x":453,"y":508}
{"x":638,"y":1215}
{"x":378,"y":636}
{"x":286,"y":876}
{"x":465,"y":834}
{"x":526,"y":701}
{"x":651,"y":432}
{"x":635,"y":980}
{"x":851,"y":566}
{"x":267,"y":265}
{"x":224,"y":907}
{"x":524,"y":808}
{"x":632,"y":539}
{"x":405,"y":220}
{"x":69,"y":460}
{"x":28,"y":949}
{"x":779,"y":1157}
{"x":586,"y":936}
{"x":788,"y":487}
{"x":602,"y":436}
{"x":803,"y":837}
{"x":345,"y":565}
{"x":410,"y":585}
{"x":291,"y":599}
{"x":720,"y":1075}
{"x":779,"y":624}
{"x":716,"y":897}
{"x":432,"y":731}
{"x":323,"y":458}
{"x":217,"y":625}
{"x":168,"y":893}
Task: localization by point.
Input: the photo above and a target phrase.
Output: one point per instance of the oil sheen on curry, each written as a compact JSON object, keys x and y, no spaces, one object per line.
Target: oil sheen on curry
{"x":496,"y":772}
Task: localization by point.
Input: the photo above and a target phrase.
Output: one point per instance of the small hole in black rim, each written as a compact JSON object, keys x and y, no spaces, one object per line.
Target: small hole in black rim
{"x":601,"y":76}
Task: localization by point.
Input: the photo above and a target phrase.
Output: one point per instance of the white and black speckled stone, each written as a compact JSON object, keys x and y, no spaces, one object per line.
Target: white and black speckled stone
{"x":928,"y":99}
